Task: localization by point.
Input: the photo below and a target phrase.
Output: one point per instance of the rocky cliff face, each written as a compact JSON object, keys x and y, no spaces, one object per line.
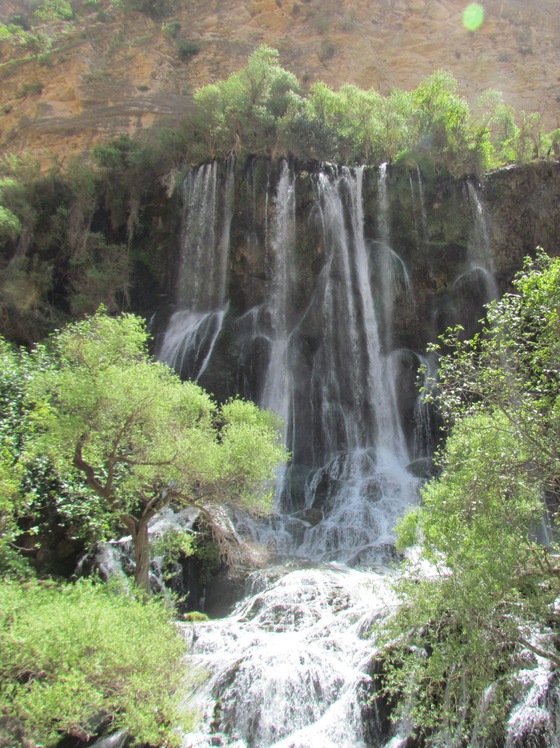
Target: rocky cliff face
{"x":398,"y":252}
{"x":111,"y":72}
{"x":449,"y":234}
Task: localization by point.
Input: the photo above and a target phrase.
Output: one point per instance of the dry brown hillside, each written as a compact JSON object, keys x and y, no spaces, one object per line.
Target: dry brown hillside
{"x":111,"y":72}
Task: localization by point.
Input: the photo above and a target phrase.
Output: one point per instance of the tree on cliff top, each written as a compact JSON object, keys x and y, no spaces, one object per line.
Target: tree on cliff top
{"x":140,"y":436}
{"x":244,"y":110}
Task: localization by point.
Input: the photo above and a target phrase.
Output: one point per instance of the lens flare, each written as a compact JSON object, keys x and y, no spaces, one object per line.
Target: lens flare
{"x":473,"y":17}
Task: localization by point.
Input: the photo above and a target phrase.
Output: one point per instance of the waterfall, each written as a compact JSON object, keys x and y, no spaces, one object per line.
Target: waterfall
{"x":479,"y":246}
{"x":421,"y":227}
{"x":480,"y":250}
{"x":290,"y":665}
{"x":295,"y":672}
{"x":423,"y":213}
{"x":384,"y":216}
{"x":475,"y":285}
{"x":194,"y":328}
{"x":276,"y":393}
{"x":354,"y":404}
{"x":423,"y":427}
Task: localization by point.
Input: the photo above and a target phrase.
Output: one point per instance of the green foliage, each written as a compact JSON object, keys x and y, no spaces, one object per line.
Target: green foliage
{"x":441,"y":122}
{"x":5,"y":32}
{"x":173,"y":545}
{"x":171,"y":28}
{"x":118,"y":153}
{"x":498,"y":119}
{"x":10,"y":225}
{"x":54,"y":10}
{"x":34,"y":497}
{"x":208,"y":555}
{"x":152,"y":8}
{"x":39,"y":43}
{"x":13,"y":422}
{"x":461,"y":633}
{"x":195,"y":617}
{"x":99,"y":275}
{"x":243,"y":111}
{"x":139,"y":436}
{"x":261,"y":109}
{"x":76,"y":659}
{"x":18,"y":19}
{"x":187,"y":48}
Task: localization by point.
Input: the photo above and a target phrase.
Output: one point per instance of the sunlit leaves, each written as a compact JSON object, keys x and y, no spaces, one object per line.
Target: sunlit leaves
{"x":461,"y":633}
{"x":262,"y":109}
{"x":75,"y":659}
{"x":147,"y":436}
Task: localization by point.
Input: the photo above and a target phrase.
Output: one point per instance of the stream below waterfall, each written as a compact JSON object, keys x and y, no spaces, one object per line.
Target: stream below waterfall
{"x":290,"y":667}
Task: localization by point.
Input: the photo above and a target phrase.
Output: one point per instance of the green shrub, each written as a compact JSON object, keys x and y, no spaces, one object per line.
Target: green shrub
{"x":152,"y":8}
{"x":77,"y":659}
{"x":10,"y":225}
{"x":195,"y":617}
{"x":19,"y":20}
{"x":30,"y":89}
{"x":171,"y":28}
{"x":55,"y":10}
{"x":187,"y":48}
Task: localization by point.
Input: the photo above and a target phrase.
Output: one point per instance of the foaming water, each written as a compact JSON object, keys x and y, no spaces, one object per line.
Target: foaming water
{"x":290,"y":666}
{"x":194,"y":328}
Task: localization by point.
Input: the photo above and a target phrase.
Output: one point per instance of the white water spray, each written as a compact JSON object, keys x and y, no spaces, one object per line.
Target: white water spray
{"x":193,"y":330}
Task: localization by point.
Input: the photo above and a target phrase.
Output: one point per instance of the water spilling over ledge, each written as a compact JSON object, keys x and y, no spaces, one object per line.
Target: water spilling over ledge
{"x":316,"y":303}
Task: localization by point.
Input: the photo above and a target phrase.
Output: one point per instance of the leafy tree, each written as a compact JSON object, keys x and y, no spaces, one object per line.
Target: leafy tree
{"x":34,"y":498}
{"x":304,"y":133}
{"x":243,"y":111}
{"x":453,"y":647}
{"x":396,"y":119}
{"x":442,"y":124}
{"x":353,"y":114}
{"x":531,"y":142}
{"x":79,"y":659}
{"x":140,"y":437}
{"x":498,"y":119}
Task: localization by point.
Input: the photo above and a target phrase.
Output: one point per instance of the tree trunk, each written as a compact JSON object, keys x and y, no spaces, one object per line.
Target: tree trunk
{"x":141,"y":555}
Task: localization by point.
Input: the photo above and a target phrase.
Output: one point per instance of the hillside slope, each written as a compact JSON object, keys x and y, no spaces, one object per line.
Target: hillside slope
{"x":112,"y":71}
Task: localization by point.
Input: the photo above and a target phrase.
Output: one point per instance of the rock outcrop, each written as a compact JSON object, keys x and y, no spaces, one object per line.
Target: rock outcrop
{"x":111,"y":72}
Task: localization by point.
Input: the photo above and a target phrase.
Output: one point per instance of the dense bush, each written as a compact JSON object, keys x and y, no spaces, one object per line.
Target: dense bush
{"x":152,"y":8}
{"x":489,"y":607}
{"x":80,"y":659}
{"x":262,"y":109}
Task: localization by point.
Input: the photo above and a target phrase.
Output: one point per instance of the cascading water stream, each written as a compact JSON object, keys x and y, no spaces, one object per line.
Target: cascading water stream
{"x":276,"y":391}
{"x":289,"y":667}
{"x":193,"y":330}
{"x":294,"y":673}
{"x":475,"y":286}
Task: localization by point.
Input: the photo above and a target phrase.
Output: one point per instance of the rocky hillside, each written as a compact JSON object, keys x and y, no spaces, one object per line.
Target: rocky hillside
{"x":110,"y":70}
